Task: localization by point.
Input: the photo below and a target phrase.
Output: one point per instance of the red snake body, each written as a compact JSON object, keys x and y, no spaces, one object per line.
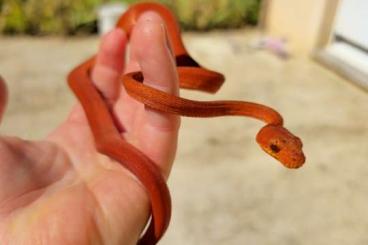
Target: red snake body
{"x":273,"y":138}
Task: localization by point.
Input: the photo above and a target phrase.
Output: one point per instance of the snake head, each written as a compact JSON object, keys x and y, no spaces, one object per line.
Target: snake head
{"x":281,"y":144}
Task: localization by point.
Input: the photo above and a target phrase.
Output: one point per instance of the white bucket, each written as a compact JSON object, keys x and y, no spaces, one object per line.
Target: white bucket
{"x":108,"y":15}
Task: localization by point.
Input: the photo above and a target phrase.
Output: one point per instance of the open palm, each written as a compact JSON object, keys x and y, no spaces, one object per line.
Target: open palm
{"x":60,"y":190}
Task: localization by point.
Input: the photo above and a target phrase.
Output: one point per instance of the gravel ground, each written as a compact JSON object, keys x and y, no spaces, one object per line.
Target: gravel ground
{"x":225,"y":190}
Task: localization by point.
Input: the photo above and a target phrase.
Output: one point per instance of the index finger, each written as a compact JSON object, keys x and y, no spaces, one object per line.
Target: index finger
{"x":150,"y":47}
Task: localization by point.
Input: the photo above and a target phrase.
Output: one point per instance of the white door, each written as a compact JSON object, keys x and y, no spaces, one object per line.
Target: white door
{"x":348,"y":51}
{"x":352,"y":22}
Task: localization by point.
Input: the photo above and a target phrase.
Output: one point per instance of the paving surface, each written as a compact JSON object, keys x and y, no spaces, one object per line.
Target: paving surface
{"x":225,"y":190}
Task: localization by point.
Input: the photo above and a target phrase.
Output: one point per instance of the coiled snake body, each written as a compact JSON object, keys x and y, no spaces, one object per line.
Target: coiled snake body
{"x":273,"y":138}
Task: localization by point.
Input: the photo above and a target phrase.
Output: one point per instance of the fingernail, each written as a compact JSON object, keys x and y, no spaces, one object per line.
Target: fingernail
{"x":167,"y":38}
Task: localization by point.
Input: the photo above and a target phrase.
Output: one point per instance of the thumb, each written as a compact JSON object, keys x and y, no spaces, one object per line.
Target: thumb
{"x":3,"y":97}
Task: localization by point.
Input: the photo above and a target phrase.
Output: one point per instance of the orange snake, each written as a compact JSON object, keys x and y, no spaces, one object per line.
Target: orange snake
{"x":273,"y":138}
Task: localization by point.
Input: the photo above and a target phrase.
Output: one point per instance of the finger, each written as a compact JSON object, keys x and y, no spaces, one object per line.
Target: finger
{"x":156,"y":61}
{"x":3,"y":97}
{"x":109,"y":64}
{"x":108,"y":67}
{"x":150,"y":45}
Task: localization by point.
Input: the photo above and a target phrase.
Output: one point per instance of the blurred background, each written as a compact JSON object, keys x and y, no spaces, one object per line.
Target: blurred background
{"x":306,"y":58}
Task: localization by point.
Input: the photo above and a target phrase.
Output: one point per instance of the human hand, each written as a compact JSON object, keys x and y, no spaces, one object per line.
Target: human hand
{"x":60,"y":190}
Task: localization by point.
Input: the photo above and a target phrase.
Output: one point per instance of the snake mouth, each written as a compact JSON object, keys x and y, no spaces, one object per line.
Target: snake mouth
{"x":291,"y":160}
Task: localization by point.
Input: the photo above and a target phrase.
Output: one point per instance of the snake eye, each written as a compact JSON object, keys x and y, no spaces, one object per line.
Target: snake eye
{"x":274,"y":148}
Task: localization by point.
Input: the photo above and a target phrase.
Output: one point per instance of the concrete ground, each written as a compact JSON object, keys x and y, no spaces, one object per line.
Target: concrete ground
{"x":225,"y":189}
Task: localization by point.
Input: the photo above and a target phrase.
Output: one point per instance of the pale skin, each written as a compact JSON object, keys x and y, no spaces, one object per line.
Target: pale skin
{"x":59,"y":190}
